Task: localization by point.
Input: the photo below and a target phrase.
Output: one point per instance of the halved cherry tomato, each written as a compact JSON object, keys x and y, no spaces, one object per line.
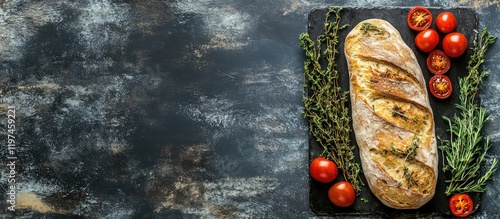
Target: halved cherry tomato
{"x":461,"y":205}
{"x":342,"y":194}
{"x":427,"y":40}
{"x":446,"y":22}
{"x":419,"y":18}
{"x":454,"y":44}
{"x":438,"y":62}
{"x":323,"y":170}
{"x":440,"y":86}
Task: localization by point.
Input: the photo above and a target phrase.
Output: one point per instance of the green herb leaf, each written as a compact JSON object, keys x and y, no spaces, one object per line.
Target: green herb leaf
{"x":464,"y":154}
{"x":365,"y":27}
{"x":325,"y":103}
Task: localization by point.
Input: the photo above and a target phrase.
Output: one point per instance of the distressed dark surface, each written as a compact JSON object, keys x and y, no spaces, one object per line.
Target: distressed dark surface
{"x":170,"y":109}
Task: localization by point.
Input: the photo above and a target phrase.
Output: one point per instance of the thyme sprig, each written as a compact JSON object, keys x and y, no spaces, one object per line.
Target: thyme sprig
{"x":411,"y":152}
{"x":365,"y":27}
{"x":463,"y":152}
{"x":397,"y":111}
{"x":325,"y":103}
{"x":410,"y":181}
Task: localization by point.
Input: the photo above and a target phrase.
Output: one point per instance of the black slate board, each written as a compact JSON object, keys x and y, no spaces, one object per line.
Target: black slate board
{"x":438,"y":206}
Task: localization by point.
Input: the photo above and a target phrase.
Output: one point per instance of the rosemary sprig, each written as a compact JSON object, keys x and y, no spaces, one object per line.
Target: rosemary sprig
{"x":463,"y":152}
{"x":326,"y":105}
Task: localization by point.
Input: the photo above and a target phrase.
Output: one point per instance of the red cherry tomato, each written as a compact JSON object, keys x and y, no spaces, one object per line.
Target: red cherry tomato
{"x":446,"y":22}
{"x":440,"y":86}
{"x":438,"y":62}
{"x":461,"y":205}
{"x":454,"y":44}
{"x":419,"y":18}
{"x":342,"y":194}
{"x":323,"y":170}
{"x":427,"y":40}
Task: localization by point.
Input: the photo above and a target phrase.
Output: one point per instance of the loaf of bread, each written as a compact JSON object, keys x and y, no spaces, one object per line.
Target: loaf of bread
{"x":392,"y":118}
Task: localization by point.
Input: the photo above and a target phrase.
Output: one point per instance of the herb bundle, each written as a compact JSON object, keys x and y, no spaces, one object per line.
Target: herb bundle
{"x":325,"y":104}
{"x":463,"y":152}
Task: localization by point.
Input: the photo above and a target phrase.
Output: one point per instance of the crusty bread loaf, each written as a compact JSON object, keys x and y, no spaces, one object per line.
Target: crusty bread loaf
{"x":392,"y":118}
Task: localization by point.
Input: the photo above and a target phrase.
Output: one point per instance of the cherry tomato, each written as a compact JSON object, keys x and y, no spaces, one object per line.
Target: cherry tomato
{"x":446,"y":22}
{"x":419,"y":18}
{"x":454,"y":44}
{"x":438,"y":62}
{"x":323,"y":170}
{"x":461,"y":205}
{"x":440,"y":86}
{"x":342,"y":194}
{"x":427,"y":40}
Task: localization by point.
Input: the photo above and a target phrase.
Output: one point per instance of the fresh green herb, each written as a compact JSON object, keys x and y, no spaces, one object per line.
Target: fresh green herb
{"x":325,"y":103}
{"x":365,"y":27}
{"x":384,"y":150}
{"x":364,"y":200}
{"x":408,"y":153}
{"x":411,"y":152}
{"x":409,"y":177}
{"x":396,"y":111}
{"x":463,"y":153}
{"x":393,"y":149}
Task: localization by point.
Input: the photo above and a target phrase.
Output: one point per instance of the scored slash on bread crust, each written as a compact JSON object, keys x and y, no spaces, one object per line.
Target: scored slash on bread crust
{"x":392,"y":118}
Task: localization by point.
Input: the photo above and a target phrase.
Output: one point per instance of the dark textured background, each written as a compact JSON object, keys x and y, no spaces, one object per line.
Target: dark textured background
{"x":170,"y":109}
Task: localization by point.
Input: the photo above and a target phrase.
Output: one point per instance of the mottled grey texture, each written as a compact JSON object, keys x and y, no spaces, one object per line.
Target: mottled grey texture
{"x":170,"y":109}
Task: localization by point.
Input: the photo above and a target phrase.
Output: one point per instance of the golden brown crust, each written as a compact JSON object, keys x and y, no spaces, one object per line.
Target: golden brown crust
{"x":392,"y":118}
